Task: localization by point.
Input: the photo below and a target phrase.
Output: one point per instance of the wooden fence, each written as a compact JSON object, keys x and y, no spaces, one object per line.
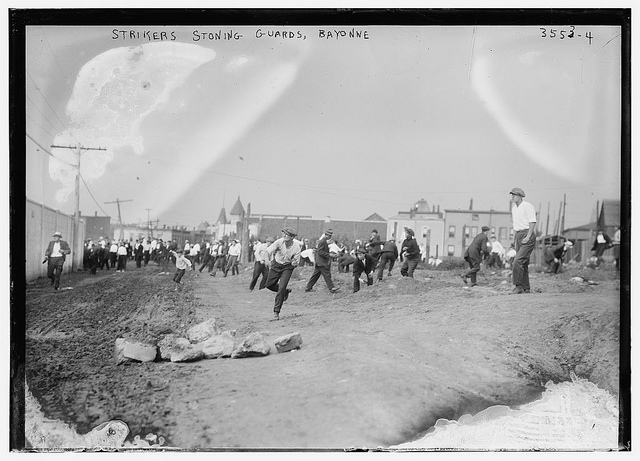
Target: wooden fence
{"x":42,"y":222}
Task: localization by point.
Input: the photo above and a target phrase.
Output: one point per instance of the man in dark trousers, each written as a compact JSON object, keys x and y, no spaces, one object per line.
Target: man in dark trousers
{"x":600,"y":245}
{"x":376,"y":244}
{"x":260,"y":267}
{"x":409,"y":253}
{"x":55,"y":255}
{"x":474,"y":254}
{"x":364,"y":263}
{"x":283,"y":256}
{"x":389,"y":254}
{"x":554,"y":256}
{"x":322,"y":263}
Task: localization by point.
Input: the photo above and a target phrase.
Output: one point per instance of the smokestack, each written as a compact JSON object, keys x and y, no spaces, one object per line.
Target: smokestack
{"x":471,"y":204}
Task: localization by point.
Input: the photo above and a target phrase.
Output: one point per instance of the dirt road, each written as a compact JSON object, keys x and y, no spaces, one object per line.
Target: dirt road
{"x":376,"y":368}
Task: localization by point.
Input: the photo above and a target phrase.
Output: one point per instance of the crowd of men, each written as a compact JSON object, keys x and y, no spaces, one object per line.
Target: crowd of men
{"x":368,"y":261}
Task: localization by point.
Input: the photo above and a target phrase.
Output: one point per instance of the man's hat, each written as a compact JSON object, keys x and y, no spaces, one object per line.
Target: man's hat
{"x":328,"y":232}
{"x":57,"y":234}
{"x":517,"y":191}
{"x":409,"y":231}
{"x":289,"y":231}
{"x":569,"y":243}
{"x":485,"y":228}
{"x":361,"y":251}
{"x":374,"y":230}
{"x":270,"y":239}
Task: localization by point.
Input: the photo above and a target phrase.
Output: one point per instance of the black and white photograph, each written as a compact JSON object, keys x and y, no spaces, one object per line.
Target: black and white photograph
{"x":320,"y":230}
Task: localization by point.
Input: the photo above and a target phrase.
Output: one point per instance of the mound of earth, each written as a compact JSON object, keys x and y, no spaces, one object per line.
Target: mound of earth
{"x":376,"y":368}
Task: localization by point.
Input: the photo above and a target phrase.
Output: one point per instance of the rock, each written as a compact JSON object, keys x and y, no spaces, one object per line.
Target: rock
{"x":219,"y":346}
{"x":170,"y":343}
{"x":203,"y":331}
{"x":131,"y":350}
{"x":288,"y":342}
{"x":253,"y":345}
{"x":190,"y":353}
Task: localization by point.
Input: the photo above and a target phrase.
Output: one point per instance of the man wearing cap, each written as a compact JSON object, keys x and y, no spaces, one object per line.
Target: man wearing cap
{"x":364,"y":263}
{"x":260,"y":266}
{"x":555,"y":254}
{"x":474,"y":255}
{"x":524,"y":219}
{"x":285,"y":253}
{"x":409,"y":253}
{"x":56,"y":252}
{"x":322,"y":263}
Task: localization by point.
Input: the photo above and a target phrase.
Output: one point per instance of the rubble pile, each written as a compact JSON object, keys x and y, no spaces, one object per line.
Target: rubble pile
{"x":203,"y":341}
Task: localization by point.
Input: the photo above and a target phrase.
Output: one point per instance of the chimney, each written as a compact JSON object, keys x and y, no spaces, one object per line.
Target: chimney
{"x":96,"y":215}
{"x":471,"y":204}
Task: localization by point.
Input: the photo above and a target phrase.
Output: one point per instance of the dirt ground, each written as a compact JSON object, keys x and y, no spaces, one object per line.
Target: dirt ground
{"x":376,"y":368}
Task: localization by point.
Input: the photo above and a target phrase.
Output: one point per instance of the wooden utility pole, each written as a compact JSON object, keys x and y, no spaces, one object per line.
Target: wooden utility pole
{"x":564,"y":209}
{"x":149,"y":229}
{"x":79,"y":150}
{"x":557,"y":226}
{"x":245,"y":235}
{"x":548,"y":217}
{"x":118,"y":202}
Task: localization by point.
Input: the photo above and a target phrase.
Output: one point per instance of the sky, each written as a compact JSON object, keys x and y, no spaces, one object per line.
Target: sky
{"x":322,"y":126}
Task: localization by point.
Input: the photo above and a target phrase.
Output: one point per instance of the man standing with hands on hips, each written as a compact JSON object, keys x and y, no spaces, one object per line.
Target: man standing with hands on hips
{"x":56,"y":252}
{"x":524,"y":224}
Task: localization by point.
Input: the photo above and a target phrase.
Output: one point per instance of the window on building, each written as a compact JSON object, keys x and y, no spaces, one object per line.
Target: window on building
{"x":425,"y":232}
{"x":475,"y":217}
{"x":511,"y":232}
{"x":474,"y":231}
{"x":503,"y":233}
{"x":451,"y":250}
{"x":452,"y":231}
{"x":493,"y":231}
{"x":466,"y":231}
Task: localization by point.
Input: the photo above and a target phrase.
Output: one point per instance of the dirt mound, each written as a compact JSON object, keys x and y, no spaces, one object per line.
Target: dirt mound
{"x":376,"y":368}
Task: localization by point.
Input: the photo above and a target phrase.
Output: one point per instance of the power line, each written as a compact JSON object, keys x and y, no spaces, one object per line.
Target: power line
{"x":41,"y":113}
{"x":55,"y":59}
{"x":94,"y":199}
{"x":49,"y":153}
{"x":46,"y":100}
{"x":40,"y":126}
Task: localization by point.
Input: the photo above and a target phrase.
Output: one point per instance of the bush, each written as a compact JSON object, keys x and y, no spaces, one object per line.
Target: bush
{"x":452,"y":263}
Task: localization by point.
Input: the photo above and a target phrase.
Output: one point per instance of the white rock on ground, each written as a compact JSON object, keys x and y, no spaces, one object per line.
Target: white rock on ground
{"x":126,"y":349}
{"x":253,"y":345}
{"x":170,"y":343}
{"x":219,"y":346}
{"x":203,"y":331}
{"x":289,"y":342}
{"x":190,"y":353}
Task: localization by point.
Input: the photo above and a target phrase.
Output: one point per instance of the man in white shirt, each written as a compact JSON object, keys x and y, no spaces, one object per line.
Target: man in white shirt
{"x":260,"y":266}
{"x":497,"y":251}
{"x":55,"y":256}
{"x":285,"y":253}
{"x":234,"y":256}
{"x":524,"y":224}
{"x":616,"y":247}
